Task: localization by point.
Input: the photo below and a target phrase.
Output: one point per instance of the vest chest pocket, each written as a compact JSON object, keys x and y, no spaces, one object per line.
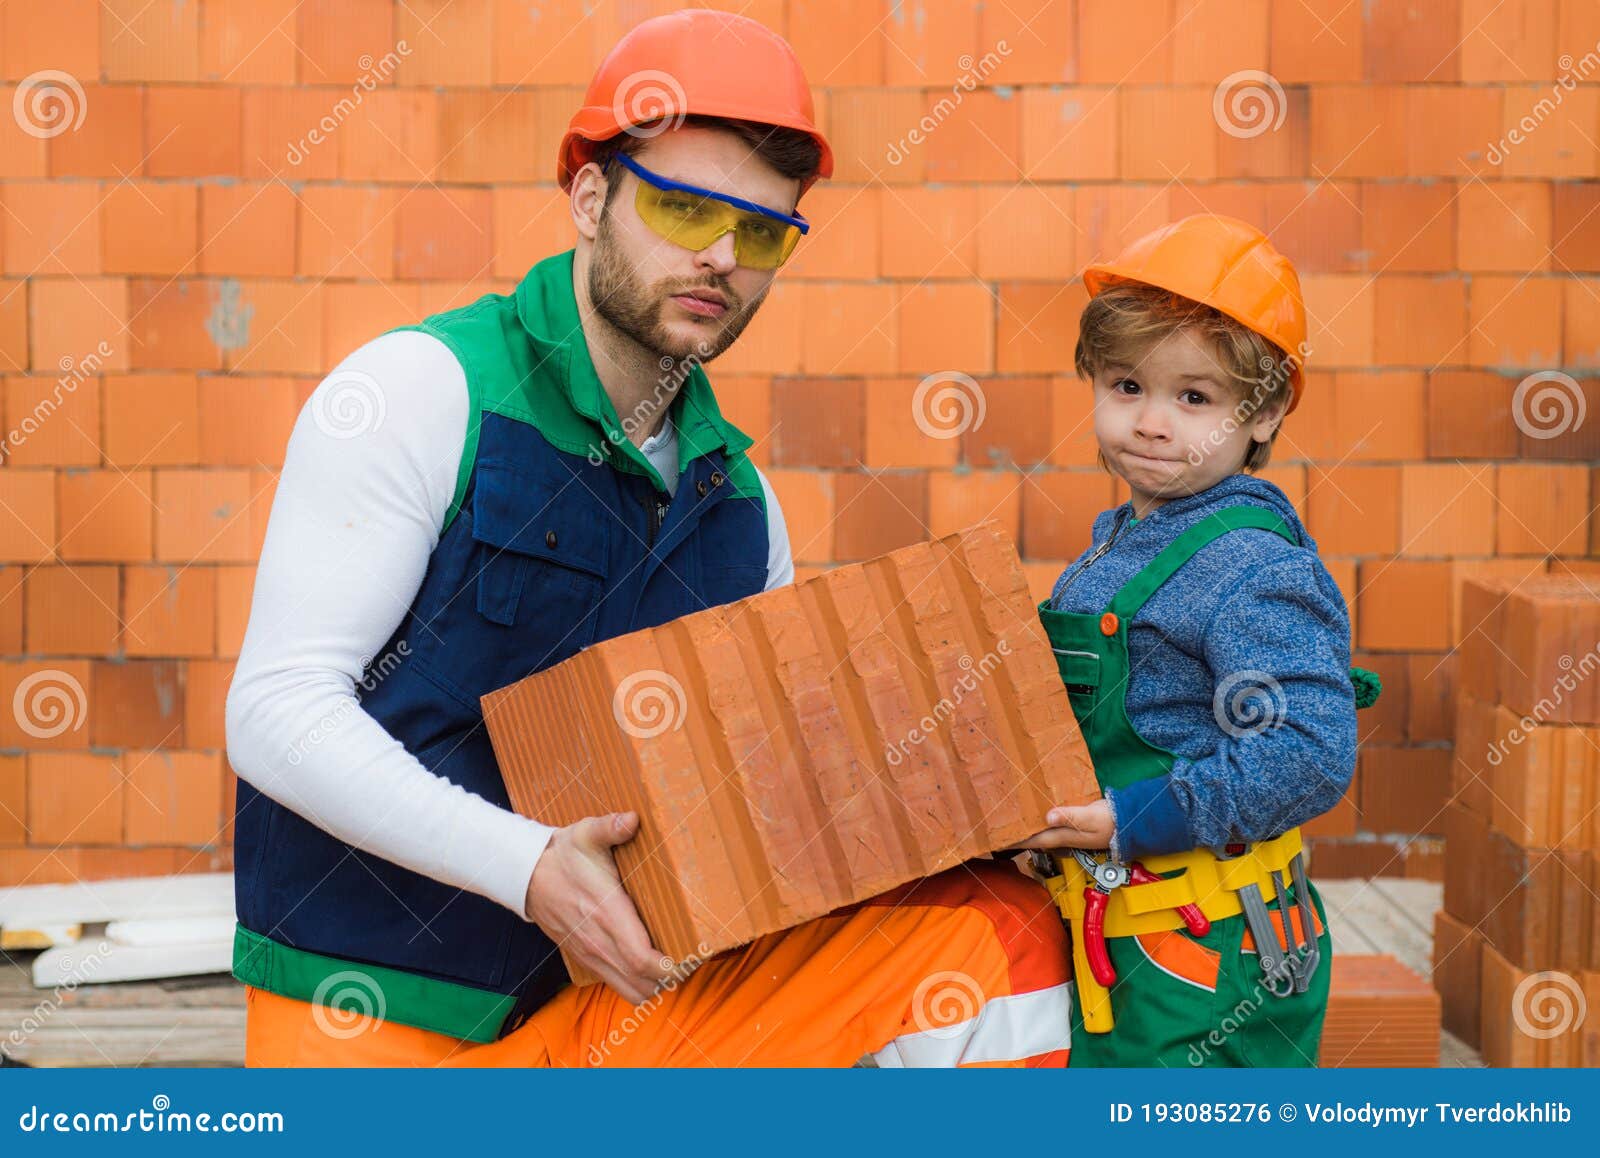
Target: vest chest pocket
{"x":542,"y":557}
{"x":1080,"y":670}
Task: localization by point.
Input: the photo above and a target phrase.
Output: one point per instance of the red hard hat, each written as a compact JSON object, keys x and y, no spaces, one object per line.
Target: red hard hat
{"x":700,"y":62}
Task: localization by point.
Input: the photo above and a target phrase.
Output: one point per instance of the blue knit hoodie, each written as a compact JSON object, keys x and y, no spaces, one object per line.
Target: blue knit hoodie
{"x":1239,"y":666}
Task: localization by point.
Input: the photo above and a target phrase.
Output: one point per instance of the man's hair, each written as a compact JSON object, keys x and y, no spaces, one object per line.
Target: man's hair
{"x":793,"y":153}
{"x":1121,"y":324}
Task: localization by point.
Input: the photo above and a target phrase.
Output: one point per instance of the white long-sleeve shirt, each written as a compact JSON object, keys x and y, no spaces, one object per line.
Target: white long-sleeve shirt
{"x":353,"y":524}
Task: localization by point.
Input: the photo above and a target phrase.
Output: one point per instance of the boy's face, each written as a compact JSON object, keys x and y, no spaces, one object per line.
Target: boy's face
{"x":1170,"y":425}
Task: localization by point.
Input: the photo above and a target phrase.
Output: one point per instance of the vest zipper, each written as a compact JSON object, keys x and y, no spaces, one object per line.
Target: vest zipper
{"x":1098,"y":551}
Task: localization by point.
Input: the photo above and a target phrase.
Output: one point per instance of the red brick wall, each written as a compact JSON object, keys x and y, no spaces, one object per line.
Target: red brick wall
{"x":174,"y":282}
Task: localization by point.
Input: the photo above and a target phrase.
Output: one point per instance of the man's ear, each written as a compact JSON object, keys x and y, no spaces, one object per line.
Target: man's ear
{"x":588,"y":199}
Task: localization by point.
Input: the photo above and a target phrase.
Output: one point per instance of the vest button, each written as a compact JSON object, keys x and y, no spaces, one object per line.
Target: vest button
{"x":717,"y":478}
{"x":1108,"y":623}
{"x":701,"y":488}
{"x":549,"y":538}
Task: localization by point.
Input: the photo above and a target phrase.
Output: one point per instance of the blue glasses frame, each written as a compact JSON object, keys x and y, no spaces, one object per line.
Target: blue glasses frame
{"x":661,"y":182}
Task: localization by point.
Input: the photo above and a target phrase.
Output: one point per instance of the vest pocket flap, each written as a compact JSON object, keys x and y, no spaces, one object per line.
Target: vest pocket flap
{"x":1079,"y":669}
{"x":525,"y":513}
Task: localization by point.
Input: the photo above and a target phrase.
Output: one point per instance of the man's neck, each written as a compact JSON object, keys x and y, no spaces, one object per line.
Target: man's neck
{"x":633,"y":376}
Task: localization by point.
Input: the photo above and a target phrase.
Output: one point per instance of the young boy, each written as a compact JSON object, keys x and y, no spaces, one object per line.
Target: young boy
{"x":1206,"y":654}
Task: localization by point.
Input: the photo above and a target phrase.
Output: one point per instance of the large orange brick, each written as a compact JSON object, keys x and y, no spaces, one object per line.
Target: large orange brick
{"x":51,"y":227}
{"x":338,"y":39}
{"x":27,"y":515}
{"x":1070,"y":134}
{"x":979,"y":139}
{"x":159,"y":40}
{"x":50,"y":704}
{"x":203,"y":516}
{"x":870,"y":131}
{"x":354,"y":313}
{"x":844,"y":238}
{"x":1504,"y":228}
{"x":806,"y":497}
{"x":54,"y":421}
{"x":1038,"y":326}
{"x":1386,"y":722}
{"x":850,"y":328}
{"x":1580,"y":348}
{"x":1126,"y":43}
{"x":817,"y":422}
{"x":1404,"y":790}
{"x":1515,"y":320}
{"x":1354,"y":510}
{"x":74,"y":798}
{"x":1482,"y":624}
{"x":152,"y":420}
{"x":1010,"y":423}
{"x":1458,"y":976}
{"x":487,"y":136}
{"x":136,"y":703}
{"x":1545,"y":785}
{"x":276,"y":127}
{"x":1408,"y":227}
{"x":1576,"y":232}
{"x":1358,"y":130}
{"x":269,"y":327}
{"x":1404,"y":605}
{"x":107,"y":516}
{"x":1447,"y":509}
{"x":346,"y":231}
{"x":1548,"y":628}
{"x":548,"y":43}
{"x":150,"y":227}
{"x":13,"y":799}
{"x":393,"y":137}
{"x":180,"y":325}
{"x":1563,"y":147}
{"x":169,"y":611}
{"x":443,"y":233}
{"x":878,"y":513}
{"x":244,"y":228}
{"x":947,"y":326}
{"x":960,"y":499}
{"x":247,"y":421}
{"x":861,"y":794}
{"x":1038,"y":39}
{"x":79,"y":323}
{"x":248,"y":42}
{"x":1315,"y":41}
{"x":71,"y":610}
{"x":173,"y":797}
{"x":109,"y":142}
{"x":1342,"y":318}
{"x":1544,"y":509}
{"x":11,"y":609}
{"x":43,"y":34}
{"x":1431,"y":683}
{"x":205,"y":692}
{"x":192,"y":131}
{"x":1448,"y":128}
{"x":1532,"y":1017}
{"x":915,"y":422}
{"x":935,"y":46}
{"x":1026,"y":231}
{"x":1380,"y":1015}
{"x":1421,"y":321}
{"x":1168,"y":134}
{"x":1511,"y":41}
{"x":235,"y":587}
{"x":1470,"y":415}
{"x":531,"y":223}
{"x":13,"y":326}
{"x":839,"y":43}
{"x":448,"y":42}
{"x":1058,"y":512}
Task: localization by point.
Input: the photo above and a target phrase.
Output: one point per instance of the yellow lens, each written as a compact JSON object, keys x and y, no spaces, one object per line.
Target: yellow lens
{"x":759,"y":242}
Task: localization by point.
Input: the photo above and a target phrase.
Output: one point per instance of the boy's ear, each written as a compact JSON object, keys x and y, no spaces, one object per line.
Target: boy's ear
{"x":1269,"y":417}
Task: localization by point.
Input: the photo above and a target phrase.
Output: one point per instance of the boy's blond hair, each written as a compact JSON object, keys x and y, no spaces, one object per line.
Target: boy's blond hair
{"x":1122,"y":323}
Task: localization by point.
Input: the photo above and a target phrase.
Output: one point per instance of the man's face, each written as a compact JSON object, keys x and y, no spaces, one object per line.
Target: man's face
{"x":674,"y":301}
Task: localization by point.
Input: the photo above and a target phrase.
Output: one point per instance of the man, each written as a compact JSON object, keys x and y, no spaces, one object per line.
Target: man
{"x":471,"y":500}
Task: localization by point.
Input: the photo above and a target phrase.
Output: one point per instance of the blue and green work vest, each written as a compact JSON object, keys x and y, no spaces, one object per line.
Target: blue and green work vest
{"x":560,"y":533}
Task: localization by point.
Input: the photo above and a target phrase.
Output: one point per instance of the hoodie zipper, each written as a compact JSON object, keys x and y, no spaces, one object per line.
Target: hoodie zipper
{"x":1098,"y":551}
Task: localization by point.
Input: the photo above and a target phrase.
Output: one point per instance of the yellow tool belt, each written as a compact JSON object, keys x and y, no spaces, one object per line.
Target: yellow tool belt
{"x":1205,"y":880}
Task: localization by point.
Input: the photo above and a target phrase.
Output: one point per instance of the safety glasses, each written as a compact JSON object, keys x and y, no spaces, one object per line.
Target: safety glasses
{"x":695,"y":218}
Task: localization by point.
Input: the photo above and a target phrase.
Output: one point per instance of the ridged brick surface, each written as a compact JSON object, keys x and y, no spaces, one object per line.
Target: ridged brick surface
{"x":771,"y":746}
{"x":1380,"y":1014}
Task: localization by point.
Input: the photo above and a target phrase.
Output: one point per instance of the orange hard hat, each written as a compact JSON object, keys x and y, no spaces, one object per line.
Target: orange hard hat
{"x":699,"y":62}
{"x":1227,"y":264}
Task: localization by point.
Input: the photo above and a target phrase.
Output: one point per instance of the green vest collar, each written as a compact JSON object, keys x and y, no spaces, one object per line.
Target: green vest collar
{"x":547,"y":306}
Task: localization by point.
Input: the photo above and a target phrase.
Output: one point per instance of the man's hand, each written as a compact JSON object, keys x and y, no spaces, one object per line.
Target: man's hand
{"x":1075,"y":826}
{"x":576,"y":897}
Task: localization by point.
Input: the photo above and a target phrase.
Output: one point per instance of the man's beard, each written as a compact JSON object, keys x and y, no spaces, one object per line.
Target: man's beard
{"x":633,"y":307}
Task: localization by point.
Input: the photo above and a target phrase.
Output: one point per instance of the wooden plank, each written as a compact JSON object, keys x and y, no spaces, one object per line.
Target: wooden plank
{"x":86,"y":902}
{"x":85,"y":964}
{"x":171,"y":931}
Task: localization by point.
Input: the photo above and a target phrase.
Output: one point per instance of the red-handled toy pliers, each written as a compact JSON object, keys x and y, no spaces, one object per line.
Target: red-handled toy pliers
{"x":1105,"y":875}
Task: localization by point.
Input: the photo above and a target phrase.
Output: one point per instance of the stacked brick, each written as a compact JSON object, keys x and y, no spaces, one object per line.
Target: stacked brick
{"x":1517,"y":946}
{"x":1380,"y":1014}
{"x":809,"y":746}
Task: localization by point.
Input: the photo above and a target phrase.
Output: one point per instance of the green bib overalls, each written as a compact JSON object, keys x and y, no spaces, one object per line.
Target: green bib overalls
{"x":1179,"y":1000}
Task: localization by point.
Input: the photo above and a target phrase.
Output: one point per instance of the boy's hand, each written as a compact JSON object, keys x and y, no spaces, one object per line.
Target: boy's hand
{"x":1075,"y":826}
